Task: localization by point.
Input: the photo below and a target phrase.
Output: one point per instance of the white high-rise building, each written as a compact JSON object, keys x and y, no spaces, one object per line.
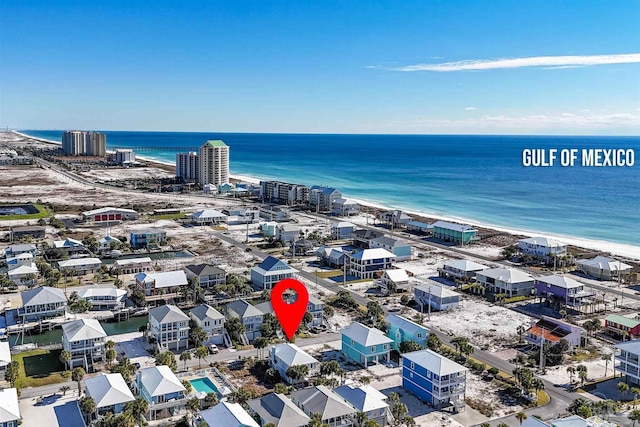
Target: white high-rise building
{"x":214,"y":163}
{"x":187,"y":166}
{"x":125,"y":156}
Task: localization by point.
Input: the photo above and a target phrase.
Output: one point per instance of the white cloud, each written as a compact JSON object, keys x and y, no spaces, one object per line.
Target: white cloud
{"x":535,"y":61}
{"x":470,"y":108}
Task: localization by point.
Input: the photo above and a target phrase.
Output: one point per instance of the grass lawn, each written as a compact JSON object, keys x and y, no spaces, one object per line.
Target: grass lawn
{"x":42,"y":213}
{"x":180,"y":215}
{"x":330,"y":273}
{"x":543,"y":398}
{"x":39,"y":367}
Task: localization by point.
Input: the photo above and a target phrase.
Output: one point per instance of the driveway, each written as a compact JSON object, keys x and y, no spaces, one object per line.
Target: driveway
{"x":54,"y":411}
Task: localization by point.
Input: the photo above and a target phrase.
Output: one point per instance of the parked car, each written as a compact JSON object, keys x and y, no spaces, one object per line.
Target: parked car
{"x":213,"y":349}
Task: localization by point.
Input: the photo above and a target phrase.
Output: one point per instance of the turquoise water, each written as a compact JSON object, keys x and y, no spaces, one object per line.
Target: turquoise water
{"x":477,"y":177}
{"x":204,"y":385}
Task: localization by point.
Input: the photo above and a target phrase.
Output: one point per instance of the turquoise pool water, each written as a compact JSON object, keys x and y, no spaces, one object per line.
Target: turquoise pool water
{"x":204,"y":384}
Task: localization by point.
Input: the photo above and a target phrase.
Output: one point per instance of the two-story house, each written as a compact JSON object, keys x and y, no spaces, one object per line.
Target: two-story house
{"x":564,"y":290}
{"x":542,"y":247}
{"x":161,"y":287}
{"x":551,"y":330}
{"x":80,"y":266}
{"x":211,"y":321}
{"x":461,"y":269}
{"x":401,"y":329}
{"x":396,"y":280}
{"x":345,"y":207}
{"x":622,"y":326}
{"x":283,"y":356}
{"x":69,"y":245}
{"x":395,"y":218}
{"x":342,"y":230}
{"x":162,"y":390}
{"x":133,"y":265}
{"x":170,"y":327}
{"x":108,"y":243}
{"x":365,"y":345}
{"x":368,"y":400}
{"x":332,"y":256}
{"x":208,"y":275}
{"x":20,"y":248}
{"x":110,"y":392}
{"x":370,"y":263}
{"x":287,"y":233}
{"x":506,"y":281}
{"x":401,"y":250}
{"x":85,"y":339}
{"x":604,"y":268}
{"x":362,"y":238}
{"x":322,"y":198}
{"x":315,"y":306}
{"x":41,"y":303}
{"x":250,"y":316}
{"x":208,"y":217}
{"x":152,"y":237}
{"x":103,"y":298}
{"x":434,"y":295}
{"x":627,"y":360}
{"x":9,"y":408}
{"x":279,"y":410}
{"x":22,"y":270}
{"x":434,"y":379}
{"x":456,"y":233}
{"x":334,"y":410}
{"x":271,"y":271}
{"x":227,"y":414}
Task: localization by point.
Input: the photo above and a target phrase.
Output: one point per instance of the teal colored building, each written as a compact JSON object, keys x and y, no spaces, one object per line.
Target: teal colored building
{"x":450,"y":232}
{"x":400,"y":330}
{"x":365,"y":345}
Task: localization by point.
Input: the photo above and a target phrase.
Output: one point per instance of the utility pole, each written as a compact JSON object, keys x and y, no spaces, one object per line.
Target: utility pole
{"x":542,"y":350}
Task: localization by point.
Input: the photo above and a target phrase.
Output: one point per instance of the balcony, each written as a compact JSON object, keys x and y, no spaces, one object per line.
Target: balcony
{"x":169,"y":404}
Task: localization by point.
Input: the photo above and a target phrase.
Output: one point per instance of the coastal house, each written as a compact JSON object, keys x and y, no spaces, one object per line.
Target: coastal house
{"x":456,"y":233}
{"x":85,"y":339}
{"x":542,"y":247}
{"x":275,"y":213}
{"x":283,"y":192}
{"x":395,"y":280}
{"x":345,"y":207}
{"x":622,"y":327}
{"x":395,"y":218}
{"x":20,"y":248}
{"x":170,"y":327}
{"x":342,"y":230}
{"x":401,"y":329}
{"x":436,"y":296}
{"x":208,"y":275}
{"x":370,"y":263}
{"x":368,"y":400}
{"x":103,"y":298}
{"x":133,"y":265}
{"x":110,"y":392}
{"x":5,"y":357}
{"x":162,"y":286}
{"x":208,"y":217}
{"x":108,"y":243}
{"x":460,"y":269}
{"x":419,"y":227}
{"x":304,"y":247}
{"x":271,"y":271}
{"x":69,"y":246}
{"x":22,"y":270}
{"x":315,"y":306}
{"x":321,"y":198}
{"x":507,"y":281}
{"x":162,"y":390}
{"x":80,"y":266}
{"x":563,"y":290}
{"x":283,"y":356}
{"x":250,"y":316}
{"x":109,"y":214}
{"x":211,"y":321}
{"x":287,"y":233}
{"x":401,"y":250}
{"x":9,"y":408}
{"x":434,"y":379}
{"x":365,"y":345}
{"x":627,"y":360}
{"x":333,"y":409}
{"x":604,"y":268}
{"x":227,"y":414}
{"x":279,"y":410}
{"x":362,"y":238}
{"x":152,"y":237}
{"x":41,"y":303}
{"x":553,"y":330}
{"x":241,"y":216}
{"x":334,"y":257}
{"x":571,"y":421}
{"x":33,"y":231}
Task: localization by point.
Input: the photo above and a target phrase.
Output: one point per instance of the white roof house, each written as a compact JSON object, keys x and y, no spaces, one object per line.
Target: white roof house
{"x":560,"y":281}
{"x":108,"y":390}
{"x":9,"y":406}
{"x":43,"y":295}
{"x":291,"y":355}
{"x":205,"y":312}
{"x":364,"y":398}
{"x":132,"y":261}
{"x":160,"y":380}
{"x":83,"y":330}
{"x":78,"y":263}
{"x":278,"y":409}
{"x":110,"y":210}
{"x":506,"y":275}
{"x":397,"y":275}
{"x":68,"y":243}
{"x":163,"y":280}
{"x":603,"y":267}
{"x":434,"y":362}
{"x":543,"y":241}
{"x":167,"y":314}
{"x":5,"y":353}
{"x":365,"y":336}
{"x":438,"y":291}
{"x":464,"y":265}
{"x":324,"y":401}
{"x":209,"y":215}
{"x":96,"y":293}
{"x":226,"y":414}
{"x":370,"y":254}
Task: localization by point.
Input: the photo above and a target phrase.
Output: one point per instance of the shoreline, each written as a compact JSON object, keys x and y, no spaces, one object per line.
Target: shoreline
{"x":617,"y":249}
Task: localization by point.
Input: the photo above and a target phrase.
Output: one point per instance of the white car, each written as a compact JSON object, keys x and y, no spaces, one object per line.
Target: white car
{"x":213,"y":349}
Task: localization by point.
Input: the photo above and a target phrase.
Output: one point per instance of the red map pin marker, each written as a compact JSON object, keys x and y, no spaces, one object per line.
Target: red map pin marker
{"x":289,"y":315}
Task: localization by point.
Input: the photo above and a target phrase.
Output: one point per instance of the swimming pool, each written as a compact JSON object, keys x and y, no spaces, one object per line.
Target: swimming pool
{"x":204,"y":385}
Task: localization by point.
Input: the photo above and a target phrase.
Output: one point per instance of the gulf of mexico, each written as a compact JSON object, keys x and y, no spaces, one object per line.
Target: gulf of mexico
{"x":475,"y":177}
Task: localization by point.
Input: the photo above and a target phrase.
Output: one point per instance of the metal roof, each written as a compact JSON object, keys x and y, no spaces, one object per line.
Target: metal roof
{"x":363,"y":399}
{"x":324,"y":401}
{"x":507,"y":275}
{"x":167,"y":314}
{"x":377,"y":253}
{"x":42,"y":295}
{"x":278,"y":409}
{"x":291,"y":354}
{"x":204,"y":311}
{"x":83,"y":329}
{"x":160,"y":380}
{"x":434,"y":362}
{"x":452,"y":226}
{"x":108,"y":390}
{"x":365,"y":335}
{"x":465,"y":265}
{"x":9,"y":406}
{"x":165,"y":279}
{"x":226,"y":414}
{"x":543,"y":241}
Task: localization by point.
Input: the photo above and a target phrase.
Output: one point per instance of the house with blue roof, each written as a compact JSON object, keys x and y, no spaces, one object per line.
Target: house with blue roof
{"x":401,"y":329}
{"x":271,"y":271}
{"x":365,"y":345}
{"x":321,"y":198}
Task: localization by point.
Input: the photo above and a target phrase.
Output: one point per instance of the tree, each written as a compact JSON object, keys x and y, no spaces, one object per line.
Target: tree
{"x":235,"y":327}
{"x":211,"y":399}
{"x":328,"y":311}
{"x":571,"y":371}
{"x":188,"y":388}
{"x":521,"y":416}
{"x":308,"y":318}
{"x":360,"y":418}
{"x":167,"y":358}
{"x":297,"y":372}
{"x":201,"y":353}
{"x":270,"y":325}
{"x":87,"y":407}
{"x":184,"y":357}
{"x":634,"y":416}
{"x":110,"y":356}
{"x":193,"y":405}
{"x":64,"y":389}
{"x":458,"y":342}
{"x":520,"y":331}
{"x":198,"y":336}
{"x":260,"y":343}
{"x":77,"y":375}
{"x":242,"y":395}
{"x":623,"y":388}
{"x":316,"y":420}
{"x":409,"y":346}
{"x":65,"y":358}
{"x":125,"y":368}
{"x":12,"y":373}
{"x":636,"y":392}
{"x":138,"y":409}
{"x":607,"y":358}
{"x":433,"y":342}
{"x":584,"y":411}
{"x":582,"y":373}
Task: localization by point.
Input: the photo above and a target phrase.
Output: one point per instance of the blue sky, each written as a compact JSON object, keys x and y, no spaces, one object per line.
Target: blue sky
{"x":573,"y":67}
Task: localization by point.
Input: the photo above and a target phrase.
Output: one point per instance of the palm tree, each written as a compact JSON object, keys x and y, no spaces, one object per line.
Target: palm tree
{"x":64,"y":389}
{"x":634,"y":416}
{"x":636,"y":392}
{"x":607,"y":358}
{"x":211,"y":399}
{"x":520,"y":331}
{"x":193,"y":405}
{"x":583,"y":376}
{"x":77,"y":375}
{"x":260,"y":343}
{"x":360,"y":418}
{"x":571,"y":370}
{"x":88,"y":407}
{"x":201,"y":353}
{"x":184,"y":357}
{"x":623,"y":388}
{"x":110,"y":356}
{"x":138,"y":409}
{"x":188,"y":388}
{"x":297,"y":372}
{"x":458,"y":342}
{"x":521,"y":416}
{"x":65,"y":357}
{"x":316,"y":420}
{"x":198,"y":336}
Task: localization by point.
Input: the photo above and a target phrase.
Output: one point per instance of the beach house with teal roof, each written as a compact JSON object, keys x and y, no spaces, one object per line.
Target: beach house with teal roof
{"x":622,"y":326}
{"x":400,"y":330}
{"x":456,"y":233}
{"x":365,"y":345}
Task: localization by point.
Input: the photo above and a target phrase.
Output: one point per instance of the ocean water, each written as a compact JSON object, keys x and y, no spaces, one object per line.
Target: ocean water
{"x":480,"y":178}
